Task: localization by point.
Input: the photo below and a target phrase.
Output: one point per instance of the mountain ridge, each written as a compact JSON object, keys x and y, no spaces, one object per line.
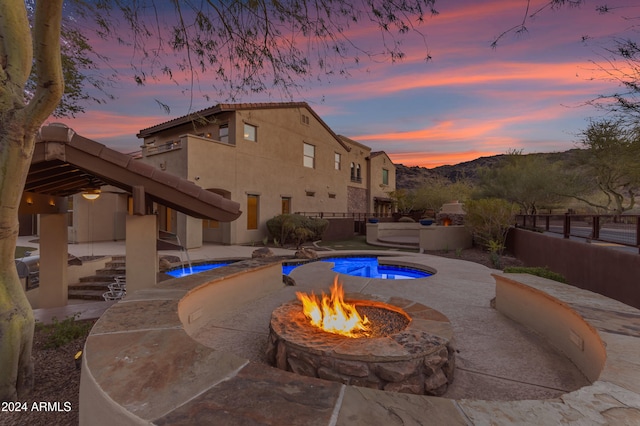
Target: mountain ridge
{"x":412,"y":177}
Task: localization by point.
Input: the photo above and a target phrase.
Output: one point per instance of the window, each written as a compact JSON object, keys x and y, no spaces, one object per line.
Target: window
{"x":250,"y":132}
{"x":337,"y":159}
{"x":309,"y":156}
{"x":305,"y":119}
{"x":210,"y":224}
{"x":252,"y":211}
{"x":385,"y":177}
{"x":286,"y":205}
{"x":355,"y":173}
{"x":223,"y":133}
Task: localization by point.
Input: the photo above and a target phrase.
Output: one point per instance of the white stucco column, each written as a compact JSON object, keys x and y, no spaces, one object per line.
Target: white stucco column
{"x":53,"y":261}
{"x":141,"y":252}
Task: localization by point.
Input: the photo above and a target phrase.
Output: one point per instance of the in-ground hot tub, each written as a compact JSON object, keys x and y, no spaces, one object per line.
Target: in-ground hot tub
{"x":366,"y":266}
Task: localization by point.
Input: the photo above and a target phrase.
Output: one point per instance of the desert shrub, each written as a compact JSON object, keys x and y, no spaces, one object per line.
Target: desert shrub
{"x":489,"y":220}
{"x":59,"y":333}
{"x":295,"y":228}
{"x":539,"y":271}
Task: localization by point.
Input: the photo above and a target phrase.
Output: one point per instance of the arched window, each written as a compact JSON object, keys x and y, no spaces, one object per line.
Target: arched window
{"x":353,"y":171}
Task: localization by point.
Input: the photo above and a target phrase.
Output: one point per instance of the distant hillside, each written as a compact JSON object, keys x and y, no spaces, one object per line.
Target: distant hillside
{"x":414,"y":177}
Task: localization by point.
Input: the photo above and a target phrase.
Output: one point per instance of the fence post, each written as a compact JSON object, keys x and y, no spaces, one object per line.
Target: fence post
{"x":638,"y":233}
{"x":566,"y":229}
{"x":595,"y":227}
{"x":546,"y":225}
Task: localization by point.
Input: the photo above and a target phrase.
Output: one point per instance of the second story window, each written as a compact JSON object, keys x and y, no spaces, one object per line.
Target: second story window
{"x":355,"y":173}
{"x":250,"y":132}
{"x":223,"y":133}
{"x":337,"y":160}
{"x":385,"y":177}
{"x":309,"y":153}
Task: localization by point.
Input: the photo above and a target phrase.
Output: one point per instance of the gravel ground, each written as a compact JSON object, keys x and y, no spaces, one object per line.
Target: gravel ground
{"x":57,"y":380}
{"x":54,"y":397}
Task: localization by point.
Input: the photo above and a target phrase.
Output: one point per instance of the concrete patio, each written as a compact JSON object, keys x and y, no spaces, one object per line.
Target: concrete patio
{"x":157,"y":363}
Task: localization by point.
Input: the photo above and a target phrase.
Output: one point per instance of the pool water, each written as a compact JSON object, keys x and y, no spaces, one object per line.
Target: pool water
{"x":367,"y":267}
{"x":195,"y":269}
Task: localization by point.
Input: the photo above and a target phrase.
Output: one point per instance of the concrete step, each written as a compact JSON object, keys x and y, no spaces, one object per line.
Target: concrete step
{"x":112,"y":271}
{"x":91,"y":285}
{"x":99,"y":278}
{"x":86,"y":294}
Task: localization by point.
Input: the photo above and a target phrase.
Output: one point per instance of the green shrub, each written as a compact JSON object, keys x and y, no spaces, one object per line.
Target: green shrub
{"x":68,"y":330}
{"x":489,"y":219}
{"x":295,"y":228}
{"x":539,"y":271}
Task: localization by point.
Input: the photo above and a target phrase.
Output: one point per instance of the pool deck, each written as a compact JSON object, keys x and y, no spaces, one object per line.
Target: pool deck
{"x":506,"y":374}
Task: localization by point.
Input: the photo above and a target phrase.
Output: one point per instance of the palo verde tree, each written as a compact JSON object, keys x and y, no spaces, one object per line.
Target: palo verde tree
{"x":619,"y":61}
{"x":530,"y":181}
{"x":21,"y":48}
{"x":609,"y":165}
{"x":250,"y":46}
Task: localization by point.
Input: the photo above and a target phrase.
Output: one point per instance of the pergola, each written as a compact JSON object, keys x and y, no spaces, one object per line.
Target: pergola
{"x":65,"y":163}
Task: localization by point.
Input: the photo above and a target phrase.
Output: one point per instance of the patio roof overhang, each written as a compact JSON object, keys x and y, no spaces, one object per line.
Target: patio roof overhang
{"x":65,"y":163}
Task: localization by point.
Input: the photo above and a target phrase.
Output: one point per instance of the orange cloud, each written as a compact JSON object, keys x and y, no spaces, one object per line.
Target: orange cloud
{"x":105,"y":126}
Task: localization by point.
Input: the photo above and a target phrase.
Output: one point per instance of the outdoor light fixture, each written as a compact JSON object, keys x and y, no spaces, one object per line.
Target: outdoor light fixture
{"x":91,"y":194}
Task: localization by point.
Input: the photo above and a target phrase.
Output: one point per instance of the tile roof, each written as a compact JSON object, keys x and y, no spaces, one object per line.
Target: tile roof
{"x":66,"y":163}
{"x":219,"y":108}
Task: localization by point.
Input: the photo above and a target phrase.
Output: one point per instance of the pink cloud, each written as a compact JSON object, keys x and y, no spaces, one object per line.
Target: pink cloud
{"x":430,"y":160}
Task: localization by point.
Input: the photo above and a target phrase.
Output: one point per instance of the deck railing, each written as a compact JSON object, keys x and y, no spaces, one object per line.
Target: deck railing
{"x":356,"y":216}
{"x":618,"y":229}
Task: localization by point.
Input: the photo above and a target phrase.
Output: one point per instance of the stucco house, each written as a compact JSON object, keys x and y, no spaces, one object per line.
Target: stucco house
{"x":272,"y":158}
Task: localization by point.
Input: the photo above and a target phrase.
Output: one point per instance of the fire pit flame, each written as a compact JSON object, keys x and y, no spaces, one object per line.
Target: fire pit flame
{"x":332,"y":314}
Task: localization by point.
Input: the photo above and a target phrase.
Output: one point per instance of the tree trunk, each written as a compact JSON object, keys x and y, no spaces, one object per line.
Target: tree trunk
{"x":16,"y":315}
{"x":19,"y":123}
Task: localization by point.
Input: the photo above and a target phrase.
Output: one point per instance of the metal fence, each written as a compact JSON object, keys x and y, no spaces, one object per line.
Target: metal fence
{"x":355,"y":216}
{"x":618,"y":229}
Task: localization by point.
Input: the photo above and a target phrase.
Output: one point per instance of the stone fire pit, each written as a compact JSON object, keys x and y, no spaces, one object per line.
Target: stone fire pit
{"x":417,"y":359}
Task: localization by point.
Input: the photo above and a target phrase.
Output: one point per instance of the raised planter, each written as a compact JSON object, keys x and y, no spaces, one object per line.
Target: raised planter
{"x":433,"y":238}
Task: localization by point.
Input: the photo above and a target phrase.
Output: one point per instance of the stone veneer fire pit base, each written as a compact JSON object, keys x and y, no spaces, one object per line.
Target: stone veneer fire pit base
{"x":418,"y":359}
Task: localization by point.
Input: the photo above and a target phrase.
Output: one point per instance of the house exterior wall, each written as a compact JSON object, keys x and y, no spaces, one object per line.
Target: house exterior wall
{"x":271,"y":168}
{"x":379,"y":199}
{"x":98,"y":220}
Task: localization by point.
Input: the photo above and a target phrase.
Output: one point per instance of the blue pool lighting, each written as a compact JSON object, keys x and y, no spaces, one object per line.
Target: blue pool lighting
{"x":195,"y":269}
{"x":367,"y":267}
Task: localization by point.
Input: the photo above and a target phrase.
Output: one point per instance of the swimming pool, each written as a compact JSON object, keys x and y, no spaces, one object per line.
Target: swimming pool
{"x":368,"y":267}
{"x":195,"y":269}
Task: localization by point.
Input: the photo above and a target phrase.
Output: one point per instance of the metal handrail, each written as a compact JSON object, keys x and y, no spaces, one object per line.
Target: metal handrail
{"x":618,"y":229}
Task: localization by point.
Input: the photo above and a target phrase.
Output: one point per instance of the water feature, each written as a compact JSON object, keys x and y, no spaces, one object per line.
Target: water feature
{"x":196,"y":269}
{"x":368,"y":267}
{"x":183,"y":249}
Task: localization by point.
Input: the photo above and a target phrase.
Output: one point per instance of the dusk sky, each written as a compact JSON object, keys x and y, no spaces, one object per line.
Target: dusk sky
{"x":469,"y":101}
